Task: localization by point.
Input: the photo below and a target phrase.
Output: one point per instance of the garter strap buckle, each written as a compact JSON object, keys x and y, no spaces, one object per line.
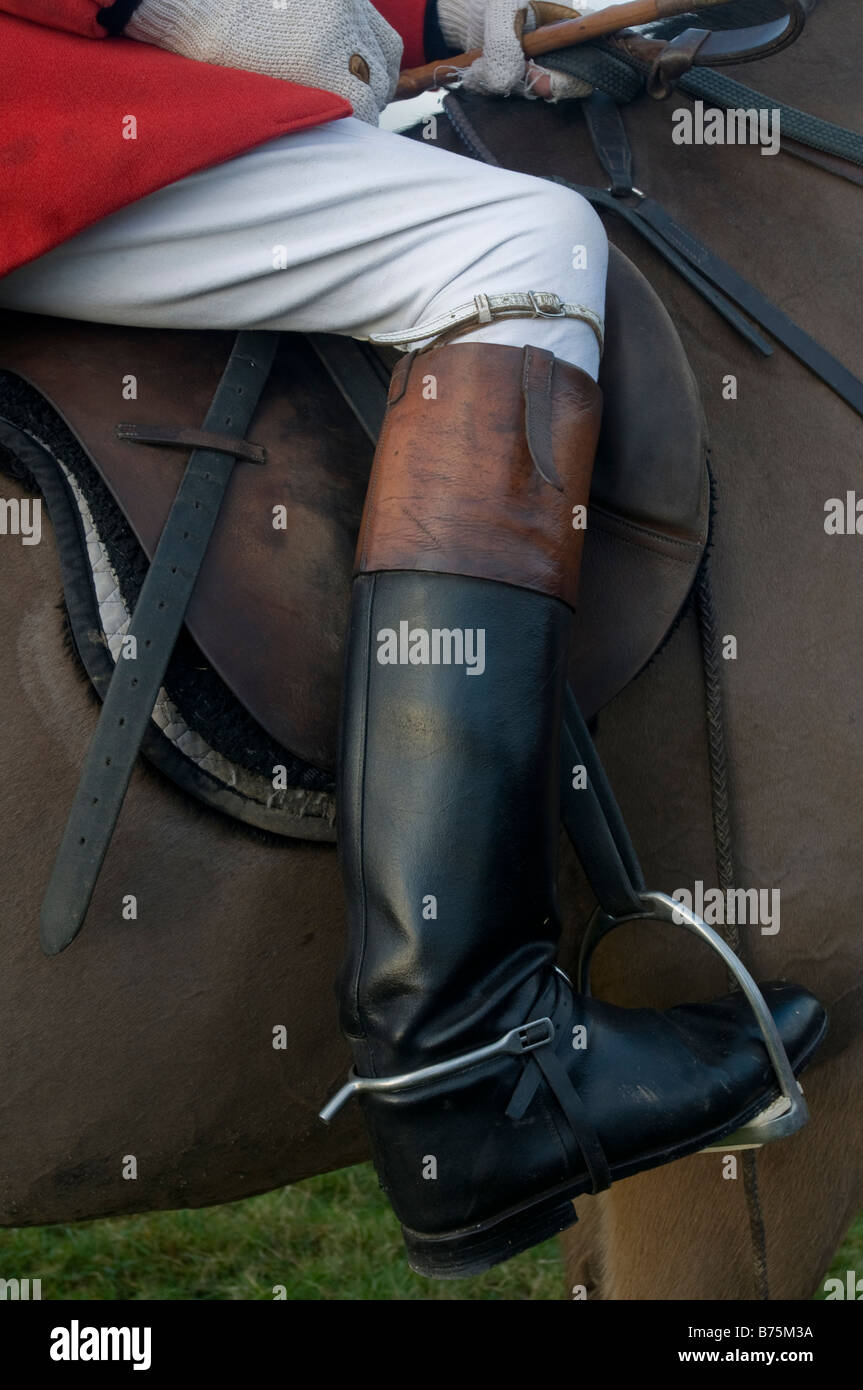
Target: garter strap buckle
{"x":557,"y":312}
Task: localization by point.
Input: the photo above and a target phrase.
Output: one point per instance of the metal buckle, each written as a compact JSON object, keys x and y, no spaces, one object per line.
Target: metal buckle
{"x":538,"y":313}
{"x":789,"y":1112}
{"x":516,"y":1042}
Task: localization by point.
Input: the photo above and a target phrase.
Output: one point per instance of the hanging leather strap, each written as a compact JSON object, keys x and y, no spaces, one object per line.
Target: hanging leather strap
{"x":186,"y":439}
{"x":543,"y":1064}
{"x":611,"y":144}
{"x":575,"y":1114}
{"x":792,"y":337}
{"x":158,"y":616}
{"x":458,"y":118}
{"x":593,"y":819}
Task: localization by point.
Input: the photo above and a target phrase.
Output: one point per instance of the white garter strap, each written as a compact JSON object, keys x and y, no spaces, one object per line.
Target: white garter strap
{"x":486,"y":308}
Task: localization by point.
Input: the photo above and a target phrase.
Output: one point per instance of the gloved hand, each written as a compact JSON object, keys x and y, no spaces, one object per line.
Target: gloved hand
{"x":341,"y":46}
{"x":497,"y":26}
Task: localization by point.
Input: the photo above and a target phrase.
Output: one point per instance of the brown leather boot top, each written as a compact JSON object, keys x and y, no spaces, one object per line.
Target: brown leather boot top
{"x":485,"y":452}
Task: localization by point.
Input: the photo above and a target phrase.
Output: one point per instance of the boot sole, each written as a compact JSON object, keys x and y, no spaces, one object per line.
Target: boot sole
{"x":463,"y":1254}
{"x":473,"y":1250}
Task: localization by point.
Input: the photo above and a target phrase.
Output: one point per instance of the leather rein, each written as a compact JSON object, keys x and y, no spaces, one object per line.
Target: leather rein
{"x":662,"y":61}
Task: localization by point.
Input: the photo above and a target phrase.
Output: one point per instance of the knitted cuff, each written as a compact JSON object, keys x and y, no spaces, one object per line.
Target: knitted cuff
{"x":159,"y":21}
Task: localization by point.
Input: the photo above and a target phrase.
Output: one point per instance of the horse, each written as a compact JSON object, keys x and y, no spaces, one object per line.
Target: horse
{"x":201,"y":1038}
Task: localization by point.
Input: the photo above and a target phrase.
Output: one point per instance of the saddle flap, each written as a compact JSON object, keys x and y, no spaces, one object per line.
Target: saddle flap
{"x":269,"y":610}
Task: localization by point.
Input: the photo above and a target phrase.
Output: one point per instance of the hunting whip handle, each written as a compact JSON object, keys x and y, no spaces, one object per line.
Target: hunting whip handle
{"x":549,"y":37}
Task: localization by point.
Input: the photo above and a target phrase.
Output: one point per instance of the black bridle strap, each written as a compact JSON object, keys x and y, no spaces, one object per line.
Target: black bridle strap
{"x":614,"y":67}
{"x":599,"y":198}
{"x":612,"y":148}
{"x":792,"y":337}
{"x":158,"y":617}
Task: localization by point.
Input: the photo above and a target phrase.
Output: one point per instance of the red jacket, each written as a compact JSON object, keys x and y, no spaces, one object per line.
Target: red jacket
{"x":66,"y":158}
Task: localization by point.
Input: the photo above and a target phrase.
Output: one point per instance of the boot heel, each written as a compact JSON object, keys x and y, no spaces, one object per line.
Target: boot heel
{"x":475,"y":1249}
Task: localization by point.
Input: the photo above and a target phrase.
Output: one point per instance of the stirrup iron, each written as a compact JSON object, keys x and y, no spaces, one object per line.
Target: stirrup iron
{"x":789,"y":1112}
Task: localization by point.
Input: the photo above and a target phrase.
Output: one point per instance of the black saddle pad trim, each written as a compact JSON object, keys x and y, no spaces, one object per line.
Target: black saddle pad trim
{"x":32,"y":439}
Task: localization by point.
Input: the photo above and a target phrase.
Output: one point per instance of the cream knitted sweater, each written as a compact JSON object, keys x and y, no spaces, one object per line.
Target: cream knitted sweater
{"x":341,"y":46}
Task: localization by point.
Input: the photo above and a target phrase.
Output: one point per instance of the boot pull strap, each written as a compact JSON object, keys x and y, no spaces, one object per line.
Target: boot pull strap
{"x":537,"y":382}
{"x":399,"y":378}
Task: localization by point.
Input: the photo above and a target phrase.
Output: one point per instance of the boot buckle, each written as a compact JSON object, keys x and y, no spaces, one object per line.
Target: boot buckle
{"x":528,"y":1039}
{"x":518,"y":1041}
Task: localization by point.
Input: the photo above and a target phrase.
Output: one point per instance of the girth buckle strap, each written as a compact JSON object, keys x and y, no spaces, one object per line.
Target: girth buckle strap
{"x":156,"y":622}
{"x":167,"y":437}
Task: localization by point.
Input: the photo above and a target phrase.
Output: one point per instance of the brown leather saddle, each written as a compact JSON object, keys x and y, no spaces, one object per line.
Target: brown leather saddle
{"x":269,"y":609}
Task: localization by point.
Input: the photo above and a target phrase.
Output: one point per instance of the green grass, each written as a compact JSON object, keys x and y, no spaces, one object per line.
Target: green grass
{"x":332,"y":1238}
{"x":849,"y":1255}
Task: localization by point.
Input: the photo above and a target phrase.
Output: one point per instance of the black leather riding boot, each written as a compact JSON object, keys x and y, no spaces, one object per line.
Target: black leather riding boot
{"x":449,"y":819}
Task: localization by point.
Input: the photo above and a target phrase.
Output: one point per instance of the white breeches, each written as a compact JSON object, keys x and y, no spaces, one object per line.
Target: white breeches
{"x":344,"y":228}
